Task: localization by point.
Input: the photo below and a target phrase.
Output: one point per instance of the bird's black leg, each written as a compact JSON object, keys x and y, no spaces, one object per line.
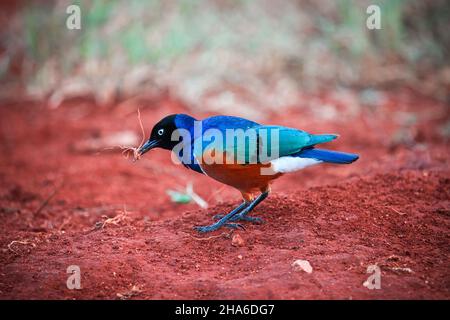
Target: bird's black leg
{"x":235,"y":211}
{"x":223,"y":220}
{"x":243,"y":214}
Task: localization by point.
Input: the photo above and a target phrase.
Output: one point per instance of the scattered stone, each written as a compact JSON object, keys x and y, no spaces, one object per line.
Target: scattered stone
{"x":237,"y":240}
{"x":302,"y":265}
{"x":134,"y":291}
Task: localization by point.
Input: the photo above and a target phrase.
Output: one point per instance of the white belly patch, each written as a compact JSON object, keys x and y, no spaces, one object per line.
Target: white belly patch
{"x":291,"y":164}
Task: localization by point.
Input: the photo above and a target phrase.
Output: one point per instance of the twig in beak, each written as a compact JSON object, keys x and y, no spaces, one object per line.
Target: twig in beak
{"x":134,"y":150}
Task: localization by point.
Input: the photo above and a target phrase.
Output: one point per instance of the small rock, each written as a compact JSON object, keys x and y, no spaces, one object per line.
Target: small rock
{"x":129,"y":294}
{"x":302,"y":265}
{"x":237,"y":240}
{"x":240,"y":257}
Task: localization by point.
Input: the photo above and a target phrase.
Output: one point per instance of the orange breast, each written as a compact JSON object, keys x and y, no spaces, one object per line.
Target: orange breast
{"x":247,"y":178}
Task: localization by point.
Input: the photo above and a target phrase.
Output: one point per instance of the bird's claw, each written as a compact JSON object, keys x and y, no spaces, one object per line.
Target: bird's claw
{"x":250,"y":219}
{"x":234,"y":226}
{"x":205,"y":229}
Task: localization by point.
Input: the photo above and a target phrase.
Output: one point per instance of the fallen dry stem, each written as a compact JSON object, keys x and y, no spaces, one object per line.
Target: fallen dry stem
{"x":223,"y":234}
{"x":117,"y":219}
{"x":47,"y":200}
{"x":396,"y":211}
{"x":24,"y":242}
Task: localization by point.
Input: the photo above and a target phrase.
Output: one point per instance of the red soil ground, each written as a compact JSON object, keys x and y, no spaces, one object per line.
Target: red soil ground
{"x":390,"y":208}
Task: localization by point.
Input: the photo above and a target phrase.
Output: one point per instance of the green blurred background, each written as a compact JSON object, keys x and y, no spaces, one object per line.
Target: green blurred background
{"x":214,"y":54}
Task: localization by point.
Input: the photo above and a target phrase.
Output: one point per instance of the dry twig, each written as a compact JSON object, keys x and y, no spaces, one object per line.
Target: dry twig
{"x":24,"y":242}
{"x":223,"y":234}
{"x":115,"y":220}
{"x":47,"y":200}
{"x":133,"y":151}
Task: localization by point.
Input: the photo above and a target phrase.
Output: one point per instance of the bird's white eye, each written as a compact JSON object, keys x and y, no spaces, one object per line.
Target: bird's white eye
{"x":160,"y":132}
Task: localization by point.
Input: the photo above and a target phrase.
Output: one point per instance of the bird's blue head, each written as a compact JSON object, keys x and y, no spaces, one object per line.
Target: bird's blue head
{"x":161,"y":135}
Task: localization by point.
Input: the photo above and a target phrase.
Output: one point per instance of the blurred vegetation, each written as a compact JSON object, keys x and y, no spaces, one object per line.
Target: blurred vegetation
{"x":222,"y":52}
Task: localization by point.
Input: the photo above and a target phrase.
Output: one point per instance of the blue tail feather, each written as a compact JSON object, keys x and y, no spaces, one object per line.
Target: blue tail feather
{"x":328,"y":156}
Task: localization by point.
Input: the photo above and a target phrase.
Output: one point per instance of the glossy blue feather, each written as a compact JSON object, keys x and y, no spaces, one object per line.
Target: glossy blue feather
{"x":183,"y":121}
{"x":327,"y":156}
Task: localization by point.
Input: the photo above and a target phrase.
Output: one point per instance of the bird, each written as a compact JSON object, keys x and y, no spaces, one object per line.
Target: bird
{"x":237,"y":164}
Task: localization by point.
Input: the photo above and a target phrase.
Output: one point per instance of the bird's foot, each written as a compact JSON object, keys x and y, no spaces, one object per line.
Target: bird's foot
{"x":235,"y":226}
{"x":248,"y":218}
{"x":240,"y":217}
{"x":216,"y":226}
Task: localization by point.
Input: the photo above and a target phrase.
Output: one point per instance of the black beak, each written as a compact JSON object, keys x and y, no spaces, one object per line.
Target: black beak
{"x":150,"y":144}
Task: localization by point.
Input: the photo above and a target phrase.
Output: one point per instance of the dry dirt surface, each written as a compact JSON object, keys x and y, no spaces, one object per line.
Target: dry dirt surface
{"x":65,"y":200}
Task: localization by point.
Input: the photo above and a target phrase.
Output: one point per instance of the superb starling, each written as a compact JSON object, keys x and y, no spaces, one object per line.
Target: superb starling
{"x":264,"y":153}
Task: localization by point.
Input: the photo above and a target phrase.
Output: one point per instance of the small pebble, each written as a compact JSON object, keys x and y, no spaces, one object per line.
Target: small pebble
{"x":302,"y":265}
{"x":237,"y":240}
